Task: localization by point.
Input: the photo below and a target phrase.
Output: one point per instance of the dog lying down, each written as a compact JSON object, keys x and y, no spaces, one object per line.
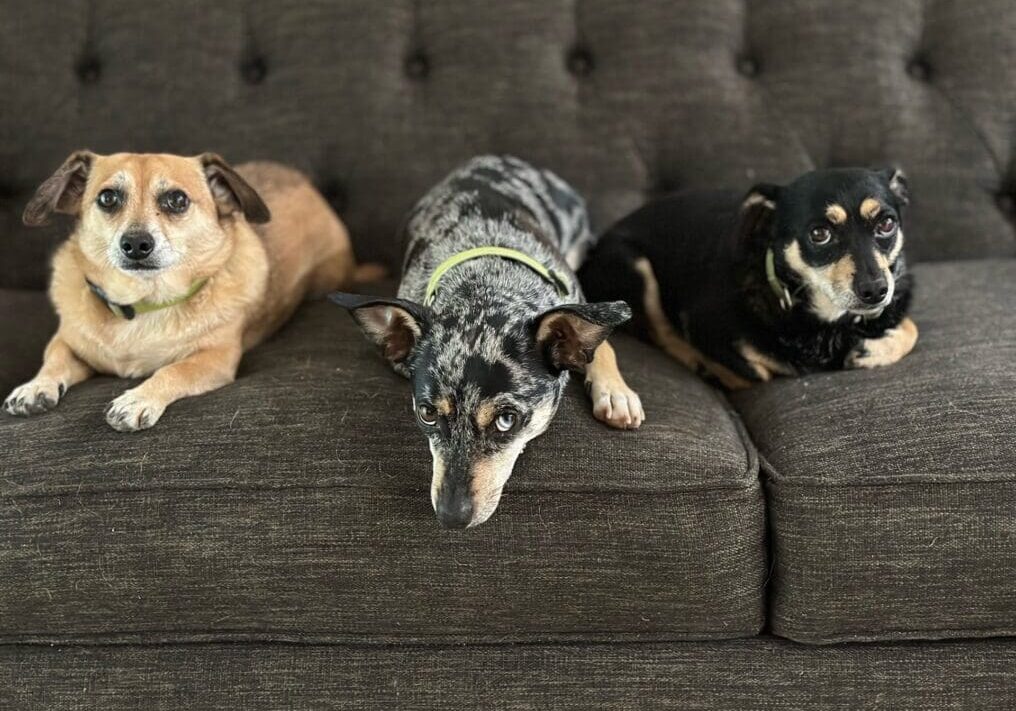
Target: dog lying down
{"x":489,"y":321}
{"x":784,"y":281}
{"x":172,"y":271}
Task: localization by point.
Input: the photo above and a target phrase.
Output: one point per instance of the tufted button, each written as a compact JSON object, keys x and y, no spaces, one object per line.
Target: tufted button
{"x":580,"y":62}
{"x":89,"y":70}
{"x":417,"y":65}
{"x":747,"y":66}
{"x":1006,"y":203}
{"x":254,"y":70}
{"x":335,"y":195}
{"x":919,"y":69}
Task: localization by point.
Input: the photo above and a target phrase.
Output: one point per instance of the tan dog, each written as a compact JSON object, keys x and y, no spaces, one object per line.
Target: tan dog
{"x":165,"y":274}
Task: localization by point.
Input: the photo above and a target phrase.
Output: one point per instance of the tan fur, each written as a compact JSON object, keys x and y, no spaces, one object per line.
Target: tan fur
{"x":613,"y":401}
{"x":870,"y":207}
{"x":257,"y":276}
{"x":446,"y":406}
{"x":890,"y":348}
{"x":836,"y":214}
{"x":485,"y":414}
{"x":666,"y":337}
{"x":765,"y":366}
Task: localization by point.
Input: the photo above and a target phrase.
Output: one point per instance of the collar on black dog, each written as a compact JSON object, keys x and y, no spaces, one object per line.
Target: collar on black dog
{"x":129,"y":311}
{"x":778,"y":287}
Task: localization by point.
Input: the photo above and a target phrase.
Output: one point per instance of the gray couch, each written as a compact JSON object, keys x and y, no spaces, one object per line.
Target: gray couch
{"x":838,"y":541}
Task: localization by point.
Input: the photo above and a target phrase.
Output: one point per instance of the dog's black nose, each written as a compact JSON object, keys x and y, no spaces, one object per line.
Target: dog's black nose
{"x":137,"y":245}
{"x":874,"y":291}
{"x":454,"y":511}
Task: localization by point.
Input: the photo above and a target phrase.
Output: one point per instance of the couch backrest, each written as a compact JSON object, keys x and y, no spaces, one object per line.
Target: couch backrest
{"x":377,"y":100}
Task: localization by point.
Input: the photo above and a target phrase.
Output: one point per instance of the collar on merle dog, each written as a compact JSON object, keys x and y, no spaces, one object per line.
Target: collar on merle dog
{"x":129,"y":311}
{"x":550,"y":275}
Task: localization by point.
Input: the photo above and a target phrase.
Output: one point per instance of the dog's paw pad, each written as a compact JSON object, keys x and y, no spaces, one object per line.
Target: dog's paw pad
{"x":131,"y":412}
{"x":615,"y":404}
{"x":34,"y":398}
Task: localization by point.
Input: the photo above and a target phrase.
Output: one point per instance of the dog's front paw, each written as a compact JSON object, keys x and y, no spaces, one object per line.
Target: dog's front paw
{"x":132,"y":412}
{"x":615,"y":403}
{"x":34,"y":397}
{"x":890,"y":348}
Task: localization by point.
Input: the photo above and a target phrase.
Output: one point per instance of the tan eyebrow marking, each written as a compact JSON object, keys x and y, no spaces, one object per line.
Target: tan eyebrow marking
{"x":836,"y":214}
{"x":485,"y":414}
{"x":445,"y":406}
{"x":870,"y":207}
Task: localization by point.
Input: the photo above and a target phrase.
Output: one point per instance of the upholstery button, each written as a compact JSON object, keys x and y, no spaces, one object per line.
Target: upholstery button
{"x":417,"y":65}
{"x":747,"y":66}
{"x":335,"y":195}
{"x":89,"y":70}
{"x":580,"y":62}
{"x":254,"y":70}
{"x":919,"y":69}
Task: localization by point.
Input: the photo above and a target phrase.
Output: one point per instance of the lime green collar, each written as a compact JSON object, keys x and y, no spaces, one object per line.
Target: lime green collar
{"x":778,"y":287}
{"x":129,"y":311}
{"x":456,"y":259}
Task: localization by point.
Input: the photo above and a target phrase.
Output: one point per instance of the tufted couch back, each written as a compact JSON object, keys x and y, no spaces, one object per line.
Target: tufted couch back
{"x":377,"y":100}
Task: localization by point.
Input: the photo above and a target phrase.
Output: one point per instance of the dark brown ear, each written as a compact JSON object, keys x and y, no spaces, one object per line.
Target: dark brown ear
{"x":896,"y":180}
{"x":60,"y":192}
{"x":568,"y":335}
{"x":231,"y":192}
{"x":757,"y":209}
{"x":393,"y":325}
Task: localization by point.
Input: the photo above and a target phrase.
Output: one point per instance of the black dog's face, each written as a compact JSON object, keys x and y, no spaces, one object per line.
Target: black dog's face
{"x":839,"y":231}
{"x":484,"y":383}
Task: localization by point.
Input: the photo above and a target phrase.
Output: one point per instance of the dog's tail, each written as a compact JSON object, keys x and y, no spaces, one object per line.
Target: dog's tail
{"x":366,"y":273}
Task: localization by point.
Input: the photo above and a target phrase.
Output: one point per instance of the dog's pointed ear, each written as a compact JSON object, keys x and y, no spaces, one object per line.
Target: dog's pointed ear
{"x":567,"y":335}
{"x":758,"y":207}
{"x":896,"y":181}
{"x":231,"y":192}
{"x":393,"y":325}
{"x":60,"y":192}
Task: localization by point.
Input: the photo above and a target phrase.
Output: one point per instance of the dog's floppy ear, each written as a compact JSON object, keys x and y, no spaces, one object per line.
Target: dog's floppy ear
{"x":231,"y":192}
{"x":60,"y":192}
{"x":758,"y":207}
{"x":393,"y":325}
{"x":896,"y":180}
{"x":567,"y":335}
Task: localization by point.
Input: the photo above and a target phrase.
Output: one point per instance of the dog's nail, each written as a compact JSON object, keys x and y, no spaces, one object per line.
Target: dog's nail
{"x":61,"y":389}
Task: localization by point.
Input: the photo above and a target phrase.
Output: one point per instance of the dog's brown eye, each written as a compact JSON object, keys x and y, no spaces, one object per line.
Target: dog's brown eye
{"x":175,"y":201}
{"x":886,"y":226}
{"x":505,"y":421}
{"x":109,"y":200}
{"x":427,"y":415}
{"x":820,"y":235}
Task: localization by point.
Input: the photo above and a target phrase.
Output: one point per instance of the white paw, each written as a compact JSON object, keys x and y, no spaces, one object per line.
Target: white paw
{"x":132,"y":412}
{"x":616,"y":404}
{"x":34,"y":397}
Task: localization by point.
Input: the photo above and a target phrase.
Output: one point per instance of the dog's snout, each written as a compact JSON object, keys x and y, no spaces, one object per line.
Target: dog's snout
{"x":454,"y":509}
{"x":872,"y":291}
{"x":137,"y":245}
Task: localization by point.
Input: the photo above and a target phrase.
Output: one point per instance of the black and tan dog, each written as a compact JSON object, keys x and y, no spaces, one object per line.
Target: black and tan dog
{"x":489,"y":321}
{"x":788,"y":280}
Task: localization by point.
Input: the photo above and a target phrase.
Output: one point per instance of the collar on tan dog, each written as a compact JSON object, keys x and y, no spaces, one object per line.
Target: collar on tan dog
{"x":778,"y":287}
{"x":129,"y":311}
{"x":453,"y":261}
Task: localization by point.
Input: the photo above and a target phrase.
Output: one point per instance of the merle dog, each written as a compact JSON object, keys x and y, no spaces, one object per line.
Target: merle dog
{"x":489,"y":321}
{"x":786,"y":280}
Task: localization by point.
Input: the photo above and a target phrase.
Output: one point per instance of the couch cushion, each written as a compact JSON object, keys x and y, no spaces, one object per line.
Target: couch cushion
{"x":891,"y":492}
{"x":295,"y":504}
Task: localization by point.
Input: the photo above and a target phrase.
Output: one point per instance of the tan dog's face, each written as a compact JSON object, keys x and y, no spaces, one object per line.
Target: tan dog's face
{"x":145,"y":214}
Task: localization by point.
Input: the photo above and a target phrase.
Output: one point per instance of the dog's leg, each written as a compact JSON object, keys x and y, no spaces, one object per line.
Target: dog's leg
{"x":891,"y":347}
{"x":613,"y":401}
{"x":200,"y":372}
{"x":61,"y":370}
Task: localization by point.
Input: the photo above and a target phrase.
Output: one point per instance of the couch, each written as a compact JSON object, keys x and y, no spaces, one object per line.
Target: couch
{"x":843,"y":540}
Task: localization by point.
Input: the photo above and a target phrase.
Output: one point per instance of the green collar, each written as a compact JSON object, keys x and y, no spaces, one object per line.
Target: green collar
{"x":778,"y":287}
{"x":456,"y":259}
{"x":129,"y":311}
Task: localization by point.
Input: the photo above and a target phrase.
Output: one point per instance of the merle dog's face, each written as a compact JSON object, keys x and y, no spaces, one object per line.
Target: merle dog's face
{"x":839,"y":231}
{"x":484,"y":382}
